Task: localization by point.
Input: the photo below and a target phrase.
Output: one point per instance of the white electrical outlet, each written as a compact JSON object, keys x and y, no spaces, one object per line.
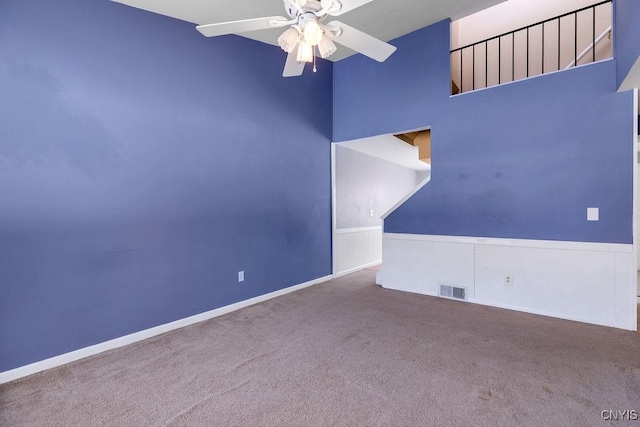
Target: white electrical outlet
{"x":508,"y":280}
{"x":240,"y":276}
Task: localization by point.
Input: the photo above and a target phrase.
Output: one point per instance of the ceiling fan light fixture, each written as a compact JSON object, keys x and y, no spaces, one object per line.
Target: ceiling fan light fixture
{"x":326,"y":47}
{"x":305,"y":52}
{"x":312,"y":33}
{"x":289,"y":39}
{"x":307,"y":31}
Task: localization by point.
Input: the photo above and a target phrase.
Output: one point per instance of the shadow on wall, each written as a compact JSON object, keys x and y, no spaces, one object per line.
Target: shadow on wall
{"x":372,"y":175}
{"x":50,"y":129}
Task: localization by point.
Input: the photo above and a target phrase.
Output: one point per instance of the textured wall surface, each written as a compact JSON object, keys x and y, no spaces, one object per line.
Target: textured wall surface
{"x":403,"y":93}
{"x":141,"y":167}
{"x":506,"y":162}
{"x":365,"y":183}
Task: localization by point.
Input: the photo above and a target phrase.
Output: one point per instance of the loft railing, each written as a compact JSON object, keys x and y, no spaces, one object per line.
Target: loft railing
{"x":574,"y":38}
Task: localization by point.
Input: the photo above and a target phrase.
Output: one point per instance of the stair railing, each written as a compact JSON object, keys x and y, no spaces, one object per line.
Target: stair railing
{"x":591,"y":47}
{"x":461,"y":80}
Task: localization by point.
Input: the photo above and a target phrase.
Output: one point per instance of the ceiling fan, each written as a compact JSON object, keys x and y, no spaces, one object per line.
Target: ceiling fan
{"x":307,"y":32}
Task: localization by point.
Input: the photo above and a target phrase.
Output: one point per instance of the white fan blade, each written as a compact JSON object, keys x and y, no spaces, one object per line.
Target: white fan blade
{"x":362,"y":42}
{"x":298,"y":4}
{"x":348,"y":5}
{"x":326,"y":4}
{"x":293,"y":68}
{"x":234,"y":27}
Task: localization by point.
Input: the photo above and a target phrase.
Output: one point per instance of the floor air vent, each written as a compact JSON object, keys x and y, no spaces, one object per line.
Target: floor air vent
{"x":453,"y":292}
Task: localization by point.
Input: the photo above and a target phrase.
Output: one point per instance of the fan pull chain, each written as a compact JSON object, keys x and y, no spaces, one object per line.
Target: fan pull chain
{"x":314,"y":60}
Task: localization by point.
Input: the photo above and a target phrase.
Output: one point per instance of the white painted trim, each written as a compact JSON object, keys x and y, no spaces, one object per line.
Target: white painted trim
{"x":636,"y":141}
{"x":636,"y":211}
{"x":515,"y":308}
{"x":361,"y":267}
{"x":357,"y":230}
{"x":546,"y":313}
{"x":522,"y":243}
{"x":333,"y":207}
{"x":63,"y":359}
{"x":511,"y":307}
{"x":425,"y":293}
{"x":406,"y":197}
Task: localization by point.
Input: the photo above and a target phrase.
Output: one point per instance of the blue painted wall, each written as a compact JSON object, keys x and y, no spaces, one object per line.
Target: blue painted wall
{"x":141,"y":167}
{"x":627,"y":36}
{"x":402,"y":93}
{"x":509,"y":163}
{"x":523,"y":160}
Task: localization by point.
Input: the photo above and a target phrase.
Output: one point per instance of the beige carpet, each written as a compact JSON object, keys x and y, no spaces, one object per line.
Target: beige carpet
{"x":346,"y":352}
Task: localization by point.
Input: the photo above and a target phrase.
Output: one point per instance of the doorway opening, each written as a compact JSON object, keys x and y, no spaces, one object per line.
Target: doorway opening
{"x":370,"y":178}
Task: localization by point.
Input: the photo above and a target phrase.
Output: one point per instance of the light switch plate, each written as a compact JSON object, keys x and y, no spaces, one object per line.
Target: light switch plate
{"x":240,"y":276}
{"x":593,"y":214}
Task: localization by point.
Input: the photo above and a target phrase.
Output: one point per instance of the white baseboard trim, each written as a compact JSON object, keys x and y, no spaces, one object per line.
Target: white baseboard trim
{"x":425,"y":294}
{"x":63,"y":359}
{"x":513,"y":308}
{"x":361,"y":267}
{"x":547,"y":314}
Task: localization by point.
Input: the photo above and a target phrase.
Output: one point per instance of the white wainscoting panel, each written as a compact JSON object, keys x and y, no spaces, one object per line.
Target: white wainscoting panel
{"x":356,"y":248}
{"x":587,"y":282}
{"x":578,"y":285}
{"x":421,"y":266}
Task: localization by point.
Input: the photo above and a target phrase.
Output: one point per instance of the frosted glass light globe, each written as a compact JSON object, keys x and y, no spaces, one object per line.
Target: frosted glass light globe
{"x":289,"y":39}
{"x":326,"y":47}
{"x":312,"y":33}
{"x":305,"y":52}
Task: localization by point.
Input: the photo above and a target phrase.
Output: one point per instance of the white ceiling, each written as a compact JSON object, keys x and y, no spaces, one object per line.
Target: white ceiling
{"x":384,"y":19}
{"x":389,"y":148}
{"x":632,"y":80}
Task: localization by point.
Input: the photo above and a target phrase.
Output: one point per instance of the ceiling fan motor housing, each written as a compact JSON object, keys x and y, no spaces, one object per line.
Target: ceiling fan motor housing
{"x":310,"y":7}
{"x":306,"y":17}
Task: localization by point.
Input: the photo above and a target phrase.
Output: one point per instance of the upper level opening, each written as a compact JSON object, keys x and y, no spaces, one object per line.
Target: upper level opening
{"x":518,"y":39}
